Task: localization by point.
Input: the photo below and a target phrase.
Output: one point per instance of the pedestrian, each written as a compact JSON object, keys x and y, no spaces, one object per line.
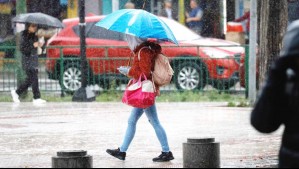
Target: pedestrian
{"x":278,"y":103}
{"x":28,"y":47}
{"x":194,"y":17}
{"x":245,"y":17}
{"x":63,"y":9}
{"x":6,"y":8}
{"x":144,"y":66}
{"x":168,"y":11}
{"x":129,"y":5}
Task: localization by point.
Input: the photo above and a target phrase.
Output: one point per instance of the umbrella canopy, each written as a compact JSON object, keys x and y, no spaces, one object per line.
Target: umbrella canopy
{"x":139,"y":23}
{"x":38,"y":19}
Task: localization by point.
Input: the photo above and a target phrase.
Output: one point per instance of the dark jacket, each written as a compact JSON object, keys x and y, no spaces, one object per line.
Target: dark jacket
{"x":194,"y":13}
{"x":279,"y":101}
{"x":29,"y":52}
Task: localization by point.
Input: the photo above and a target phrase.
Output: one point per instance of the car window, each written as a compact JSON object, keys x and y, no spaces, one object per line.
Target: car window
{"x":96,"y":32}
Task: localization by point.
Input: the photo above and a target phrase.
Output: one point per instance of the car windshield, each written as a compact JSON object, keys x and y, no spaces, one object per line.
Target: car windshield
{"x":181,"y":32}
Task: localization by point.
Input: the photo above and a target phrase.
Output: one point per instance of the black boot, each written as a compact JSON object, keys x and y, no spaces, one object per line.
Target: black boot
{"x":164,"y":157}
{"x":117,"y":154}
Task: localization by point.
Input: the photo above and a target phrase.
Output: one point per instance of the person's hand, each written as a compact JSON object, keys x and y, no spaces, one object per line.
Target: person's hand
{"x":188,"y":20}
{"x":187,"y":15}
{"x":124,"y":70}
{"x":41,"y":44}
{"x":36,"y":44}
{"x":41,"y":41}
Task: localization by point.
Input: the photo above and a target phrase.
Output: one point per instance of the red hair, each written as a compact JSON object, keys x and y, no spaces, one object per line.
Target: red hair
{"x":146,"y":63}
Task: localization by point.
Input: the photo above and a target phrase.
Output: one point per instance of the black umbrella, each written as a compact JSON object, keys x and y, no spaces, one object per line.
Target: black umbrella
{"x":38,"y":19}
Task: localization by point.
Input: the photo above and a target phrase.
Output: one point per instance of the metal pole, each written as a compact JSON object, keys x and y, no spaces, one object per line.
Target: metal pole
{"x":252,"y":52}
{"x":224,"y":14}
{"x":84,"y":94}
{"x":83,"y":43}
{"x":182,"y":11}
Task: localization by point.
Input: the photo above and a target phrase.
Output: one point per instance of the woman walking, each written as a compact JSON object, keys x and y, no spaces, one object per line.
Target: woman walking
{"x":148,"y":52}
{"x":28,"y":46}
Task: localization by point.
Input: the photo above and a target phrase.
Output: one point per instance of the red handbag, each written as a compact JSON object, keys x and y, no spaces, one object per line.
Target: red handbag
{"x":140,"y":94}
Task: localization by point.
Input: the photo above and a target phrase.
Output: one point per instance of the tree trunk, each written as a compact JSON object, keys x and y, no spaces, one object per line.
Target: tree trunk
{"x":272,"y":25}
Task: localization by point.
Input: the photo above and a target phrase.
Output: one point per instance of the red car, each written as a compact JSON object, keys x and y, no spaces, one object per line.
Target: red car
{"x":217,"y":63}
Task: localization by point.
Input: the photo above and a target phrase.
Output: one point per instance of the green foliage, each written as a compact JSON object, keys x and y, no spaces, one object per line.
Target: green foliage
{"x":239,"y":104}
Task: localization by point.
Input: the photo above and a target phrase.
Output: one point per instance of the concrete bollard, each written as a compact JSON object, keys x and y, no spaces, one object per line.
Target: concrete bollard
{"x":72,"y":159}
{"x":201,"y":153}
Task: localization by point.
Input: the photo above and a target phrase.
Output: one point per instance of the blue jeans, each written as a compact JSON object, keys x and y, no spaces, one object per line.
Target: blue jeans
{"x":152,"y":116}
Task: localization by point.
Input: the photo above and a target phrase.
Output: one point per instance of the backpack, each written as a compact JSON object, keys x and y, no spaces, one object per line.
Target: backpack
{"x":163,"y":72}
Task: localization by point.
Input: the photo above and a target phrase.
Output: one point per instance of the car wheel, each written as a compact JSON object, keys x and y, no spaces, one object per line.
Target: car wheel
{"x":71,"y":80}
{"x":190,"y":76}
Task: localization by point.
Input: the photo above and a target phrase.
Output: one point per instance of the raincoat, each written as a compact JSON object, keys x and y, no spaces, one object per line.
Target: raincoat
{"x":279,"y":101}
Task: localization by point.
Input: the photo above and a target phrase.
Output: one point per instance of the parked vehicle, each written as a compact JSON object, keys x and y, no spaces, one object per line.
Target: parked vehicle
{"x":197,"y":61}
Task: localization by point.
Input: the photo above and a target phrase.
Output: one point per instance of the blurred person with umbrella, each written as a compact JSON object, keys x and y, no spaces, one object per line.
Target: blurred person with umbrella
{"x":278,"y":102}
{"x":143,"y":30}
{"x":40,"y":19}
{"x":29,"y":45}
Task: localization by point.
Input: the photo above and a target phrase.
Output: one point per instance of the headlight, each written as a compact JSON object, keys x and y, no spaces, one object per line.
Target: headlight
{"x":220,"y":70}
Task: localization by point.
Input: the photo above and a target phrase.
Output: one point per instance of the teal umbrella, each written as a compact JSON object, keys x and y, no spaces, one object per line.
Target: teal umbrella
{"x":139,"y":23}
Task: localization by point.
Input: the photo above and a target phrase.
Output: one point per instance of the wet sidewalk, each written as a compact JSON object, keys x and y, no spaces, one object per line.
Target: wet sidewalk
{"x":31,"y":135}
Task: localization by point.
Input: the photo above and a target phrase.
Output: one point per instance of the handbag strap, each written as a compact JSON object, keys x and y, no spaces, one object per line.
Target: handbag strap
{"x":154,"y":84}
{"x":139,"y":81}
